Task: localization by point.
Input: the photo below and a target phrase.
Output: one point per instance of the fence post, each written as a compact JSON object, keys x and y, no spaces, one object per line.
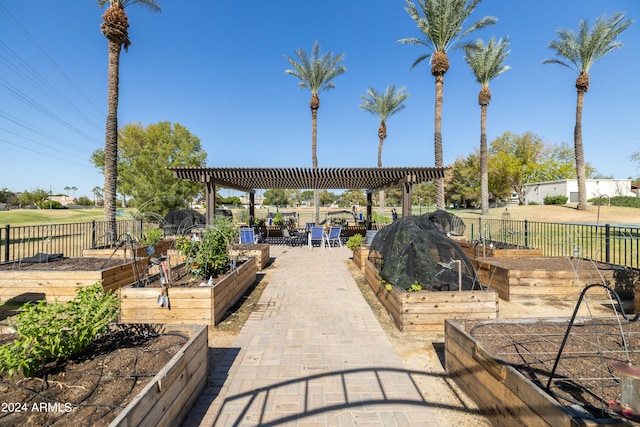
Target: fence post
{"x":6,"y":242}
{"x":526,"y":233}
{"x":607,"y":243}
{"x":93,"y":233}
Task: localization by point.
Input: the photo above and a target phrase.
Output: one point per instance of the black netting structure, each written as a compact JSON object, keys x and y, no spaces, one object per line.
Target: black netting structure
{"x":416,"y":249}
{"x":447,"y":223}
{"x":181,"y":221}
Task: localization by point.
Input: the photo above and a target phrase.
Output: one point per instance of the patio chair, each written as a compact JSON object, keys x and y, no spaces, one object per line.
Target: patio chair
{"x":316,"y":234}
{"x":333,"y":236}
{"x":247,"y":236}
{"x":290,"y":239}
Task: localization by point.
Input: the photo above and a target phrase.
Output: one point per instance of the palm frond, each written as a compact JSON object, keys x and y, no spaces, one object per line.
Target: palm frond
{"x":316,"y":72}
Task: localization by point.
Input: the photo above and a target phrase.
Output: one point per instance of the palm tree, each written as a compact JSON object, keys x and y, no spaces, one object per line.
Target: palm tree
{"x":441,"y":23}
{"x":580,"y":52}
{"x":383,"y":105}
{"x":116,"y":29}
{"x":487,"y":63}
{"x":316,"y":74}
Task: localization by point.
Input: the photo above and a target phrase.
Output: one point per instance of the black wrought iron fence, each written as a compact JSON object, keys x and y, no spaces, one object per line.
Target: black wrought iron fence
{"x":68,"y":239}
{"x":608,"y":243}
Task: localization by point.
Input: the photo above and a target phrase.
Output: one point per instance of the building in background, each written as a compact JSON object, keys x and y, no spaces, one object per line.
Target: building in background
{"x":536,"y":192}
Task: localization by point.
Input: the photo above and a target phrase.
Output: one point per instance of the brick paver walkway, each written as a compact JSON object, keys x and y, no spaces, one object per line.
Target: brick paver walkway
{"x":312,"y":354}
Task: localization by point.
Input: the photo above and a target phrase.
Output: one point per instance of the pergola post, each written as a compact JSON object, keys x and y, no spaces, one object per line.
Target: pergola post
{"x":406,"y":199}
{"x":369,"y":209}
{"x":210,"y":200}
{"x":252,"y":208}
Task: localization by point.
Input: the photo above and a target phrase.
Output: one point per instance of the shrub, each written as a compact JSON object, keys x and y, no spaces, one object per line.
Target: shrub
{"x":278,"y":219}
{"x":49,"y":204}
{"x":152,"y":236}
{"x":624,"y":201}
{"x":532,"y":203}
{"x":52,"y":331}
{"x":355,"y":241}
{"x":555,"y":200}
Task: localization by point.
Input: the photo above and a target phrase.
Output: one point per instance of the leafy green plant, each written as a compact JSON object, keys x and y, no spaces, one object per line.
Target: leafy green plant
{"x":48,"y":331}
{"x":415,"y":287}
{"x":355,"y":241}
{"x":386,"y":284}
{"x":152,"y":236}
{"x":555,"y":200}
{"x":210,"y":256}
{"x":278,"y":219}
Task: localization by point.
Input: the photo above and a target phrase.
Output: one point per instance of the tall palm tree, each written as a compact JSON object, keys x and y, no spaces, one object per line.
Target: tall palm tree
{"x":579,"y":52}
{"x":487,"y":63}
{"x":115,"y":28}
{"x":441,"y":23}
{"x":316,"y":73}
{"x":383,"y":105}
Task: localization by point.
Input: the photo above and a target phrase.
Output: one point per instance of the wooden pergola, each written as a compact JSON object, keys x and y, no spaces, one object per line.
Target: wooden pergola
{"x":250,"y":179}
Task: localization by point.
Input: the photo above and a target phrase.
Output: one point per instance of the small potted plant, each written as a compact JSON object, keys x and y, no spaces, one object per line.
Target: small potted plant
{"x":360,"y":252}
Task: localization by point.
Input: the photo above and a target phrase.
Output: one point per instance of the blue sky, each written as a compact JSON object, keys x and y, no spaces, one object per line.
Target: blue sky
{"x":217,"y":67}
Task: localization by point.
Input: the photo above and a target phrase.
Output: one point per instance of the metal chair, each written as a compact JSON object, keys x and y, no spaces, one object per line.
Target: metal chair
{"x":333,"y":236}
{"x":316,"y":234}
{"x":290,"y":239}
{"x":247,"y":236}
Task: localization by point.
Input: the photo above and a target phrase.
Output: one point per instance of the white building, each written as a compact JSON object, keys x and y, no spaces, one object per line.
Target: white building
{"x":536,"y":192}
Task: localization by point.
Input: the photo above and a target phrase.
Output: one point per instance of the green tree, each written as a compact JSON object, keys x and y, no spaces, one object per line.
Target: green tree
{"x":354,"y":197}
{"x":7,"y":196}
{"x":487,"y":63}
{"x":462,"y":186}
{"x":306,"y":195}
{"x":442,"y":22}
{"x":115,"y":27}
{"x":515,"y":160}
{"x":97,"y":195}
{"x":275,"y":197}
{"x":579,"y":52}
{"x":144,"y":154}
{"x":327,"y":197}
{"x":383,"y":106}
{"x":316,"y":73}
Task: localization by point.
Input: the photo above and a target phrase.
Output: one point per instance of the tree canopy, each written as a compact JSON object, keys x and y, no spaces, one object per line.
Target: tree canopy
{"x":144,"y":154}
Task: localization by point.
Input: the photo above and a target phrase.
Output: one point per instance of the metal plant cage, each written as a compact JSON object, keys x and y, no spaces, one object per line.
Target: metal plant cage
{"x":416,"y":249}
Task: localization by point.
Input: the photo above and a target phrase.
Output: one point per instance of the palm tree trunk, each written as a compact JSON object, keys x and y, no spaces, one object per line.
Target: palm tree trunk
{"x":484,"y":169}
{"x":314,"y":159}
{"x":111,"y":141}
{"x":437,"y":140}
{"x":381,"y":192}
{"x":579,"y":151}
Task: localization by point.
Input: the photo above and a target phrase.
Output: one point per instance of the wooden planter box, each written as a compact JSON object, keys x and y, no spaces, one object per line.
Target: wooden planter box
{"x":360,"y":255}
{"x":188,"y":305}
{"x":169,"y":396}
{"x":502,"y":393}
{"x":26,"y":285}
{"x":260,"y":251}
{"x":128,"y":252}
{"x":427,"y":310}
{"x":473,"y":251}
{"x":533,"y":281}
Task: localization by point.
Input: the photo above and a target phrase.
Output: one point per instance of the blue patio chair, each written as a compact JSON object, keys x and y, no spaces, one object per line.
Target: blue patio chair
{"x":334,"y":236}
{"x":247,"y":236}
{"x":309,"y":225}
{"x":316,"y":234}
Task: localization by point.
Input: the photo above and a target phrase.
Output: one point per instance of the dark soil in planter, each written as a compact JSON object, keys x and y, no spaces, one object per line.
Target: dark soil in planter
{"x":90,"y":388}
{"x":180,"y":277}
{"x":66,"y":264}
{"x":583,"y":375}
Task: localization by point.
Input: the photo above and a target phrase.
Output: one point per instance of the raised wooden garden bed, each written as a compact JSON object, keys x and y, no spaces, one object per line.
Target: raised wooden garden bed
{"x":427,"y":310}
{"x":360,"y":255}
{"x":552,"y":278}
{"x":499,"y":382}
{"x":169,"y":396}
{"x":259,"y":250}
{"x":188,"y":305}
{"x":473,"y":250}
{"x":129,"y":251}
{"x":58,"y":280}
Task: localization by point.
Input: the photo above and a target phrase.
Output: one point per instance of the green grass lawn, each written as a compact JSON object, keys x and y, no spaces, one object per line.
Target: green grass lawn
{"x":20,"y":217}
